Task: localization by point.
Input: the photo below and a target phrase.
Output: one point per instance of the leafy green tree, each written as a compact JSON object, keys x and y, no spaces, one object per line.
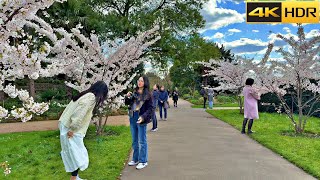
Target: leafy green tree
{"x":177,"y":18}
{"x":226,"y":54}
{"x":185,"y":74}
{"x":73,"y":12}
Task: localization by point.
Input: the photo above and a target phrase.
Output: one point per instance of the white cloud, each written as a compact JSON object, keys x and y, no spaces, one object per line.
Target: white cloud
{"x":219,"y":17}
{"x":246,"y":46}
{"x":234,"y":30}
{"x":287,"y":30}
{"x":218,"y":35}
{"x":313,"y":33}
{"x":256,"y":31}
{"x":245,"y":41}
{"x":254,"y":53}
{"x":208,"y":37}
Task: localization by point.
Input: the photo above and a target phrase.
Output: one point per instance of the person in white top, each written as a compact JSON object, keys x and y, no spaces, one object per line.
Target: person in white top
{"x":73,"y":125}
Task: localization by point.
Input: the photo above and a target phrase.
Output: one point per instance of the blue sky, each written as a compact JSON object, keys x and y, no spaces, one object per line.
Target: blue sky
{"x":225,"y":24}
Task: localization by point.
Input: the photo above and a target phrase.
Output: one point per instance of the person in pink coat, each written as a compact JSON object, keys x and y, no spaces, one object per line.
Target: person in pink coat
{"x":251,"y":98}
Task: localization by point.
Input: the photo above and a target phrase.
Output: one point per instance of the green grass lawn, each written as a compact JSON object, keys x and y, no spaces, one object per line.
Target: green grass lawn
{"x":217,"y":105}
{"x":36,"y":155}
{"x":300,"y":150}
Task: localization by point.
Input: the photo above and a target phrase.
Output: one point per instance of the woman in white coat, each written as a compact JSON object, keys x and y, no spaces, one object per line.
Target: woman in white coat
{"x":73,"y":125}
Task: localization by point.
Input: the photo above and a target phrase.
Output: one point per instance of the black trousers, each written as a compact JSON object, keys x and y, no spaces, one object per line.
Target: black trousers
{"x":175,"y":102}
{"x":204,"y":102}
{"x":75,"y":173}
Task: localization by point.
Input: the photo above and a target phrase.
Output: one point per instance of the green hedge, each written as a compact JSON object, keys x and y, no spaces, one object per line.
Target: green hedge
{"x":226,"y":99}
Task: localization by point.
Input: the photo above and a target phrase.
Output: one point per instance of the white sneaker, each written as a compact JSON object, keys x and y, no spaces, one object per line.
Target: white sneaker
{"x":132,"y":163}
{"x":142,"y":165}
{"x":154,"y":130}
{"x":165,"y":119}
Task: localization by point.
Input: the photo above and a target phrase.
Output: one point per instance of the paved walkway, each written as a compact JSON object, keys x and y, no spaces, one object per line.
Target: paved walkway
{"x":194,"y":145}
{"x":50,"y":125}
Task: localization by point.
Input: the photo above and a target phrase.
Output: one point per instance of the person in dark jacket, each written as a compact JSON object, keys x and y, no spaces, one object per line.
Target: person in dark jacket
{"x":204,"y":94}
{"x":141,"y":110}
{"x":163,"y":102}
{"x":175,"y":97}
{"x":155,"y":95}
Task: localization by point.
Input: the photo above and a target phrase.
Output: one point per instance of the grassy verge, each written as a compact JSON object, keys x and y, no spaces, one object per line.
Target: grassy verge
{"x":217,"y":105}
{"x":300,"y":150}
{"x":36,"y":155}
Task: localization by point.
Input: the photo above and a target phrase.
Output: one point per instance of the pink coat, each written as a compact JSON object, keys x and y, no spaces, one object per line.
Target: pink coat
{"x":251,"y":98}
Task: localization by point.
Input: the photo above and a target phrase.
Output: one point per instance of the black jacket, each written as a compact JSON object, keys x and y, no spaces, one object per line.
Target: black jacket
{"x":146,"y":110}
{"x":175,"y":95}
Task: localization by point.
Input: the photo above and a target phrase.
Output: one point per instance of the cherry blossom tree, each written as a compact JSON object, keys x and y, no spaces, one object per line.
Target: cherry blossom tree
{"x":297,"y":74}
{"x":70,"y":53}
{"x":17,"y":59}
{"x":231,"y":75}
{"x":84,"y":61}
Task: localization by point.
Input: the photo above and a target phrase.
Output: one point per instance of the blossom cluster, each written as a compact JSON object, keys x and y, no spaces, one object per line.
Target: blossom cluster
{"x":29,"y":108}
{"x":6,"y":168}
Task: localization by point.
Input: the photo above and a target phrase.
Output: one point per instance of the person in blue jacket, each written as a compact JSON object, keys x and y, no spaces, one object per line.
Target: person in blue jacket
{"x":163,"y":102}
{"x":155,"y":95}
{"x":141,"y":110}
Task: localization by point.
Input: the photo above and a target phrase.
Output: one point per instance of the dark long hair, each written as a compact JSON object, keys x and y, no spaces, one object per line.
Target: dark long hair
{"x":249,"y":81}
{"x":99,"y":89}
{"x":146,"y":88}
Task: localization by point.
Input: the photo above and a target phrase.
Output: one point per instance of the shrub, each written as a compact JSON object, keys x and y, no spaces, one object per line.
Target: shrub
{"x":186,"y":96}
{"x":57,"y":94}
{"x":226,"y":99}
{"x":9,"y":103}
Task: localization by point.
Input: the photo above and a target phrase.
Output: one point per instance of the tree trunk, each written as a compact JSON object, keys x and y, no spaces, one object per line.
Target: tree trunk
{"x":69,"y":92}
{"x":2,"y":95}
{"x":32,"y":90}
{"x":101,"y":125}
{"x":299,"y":89}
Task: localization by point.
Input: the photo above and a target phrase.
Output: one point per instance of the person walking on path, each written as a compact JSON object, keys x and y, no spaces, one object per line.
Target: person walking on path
{"x":210,"y":97}
{"x":251,"y":98}
{"x":141,"y":110}
{"x":204,"y":94}
{"x":175,"y":97}
{"x":73,"y":125}
{"x":155,"y":95}
{"x":163,"y":102}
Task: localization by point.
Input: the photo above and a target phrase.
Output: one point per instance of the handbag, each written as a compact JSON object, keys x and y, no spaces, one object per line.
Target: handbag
{"x":166,"y":105}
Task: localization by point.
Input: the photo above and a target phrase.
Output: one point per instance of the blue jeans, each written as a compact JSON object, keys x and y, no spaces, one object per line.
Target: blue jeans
{"x":154,"y":121}
{"x":139,"y":139}
{"x":210,"y":104}
{"x":160,"y":110}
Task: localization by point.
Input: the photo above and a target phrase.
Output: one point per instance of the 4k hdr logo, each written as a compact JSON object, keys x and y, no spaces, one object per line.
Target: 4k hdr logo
{"x":283,"y":12}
